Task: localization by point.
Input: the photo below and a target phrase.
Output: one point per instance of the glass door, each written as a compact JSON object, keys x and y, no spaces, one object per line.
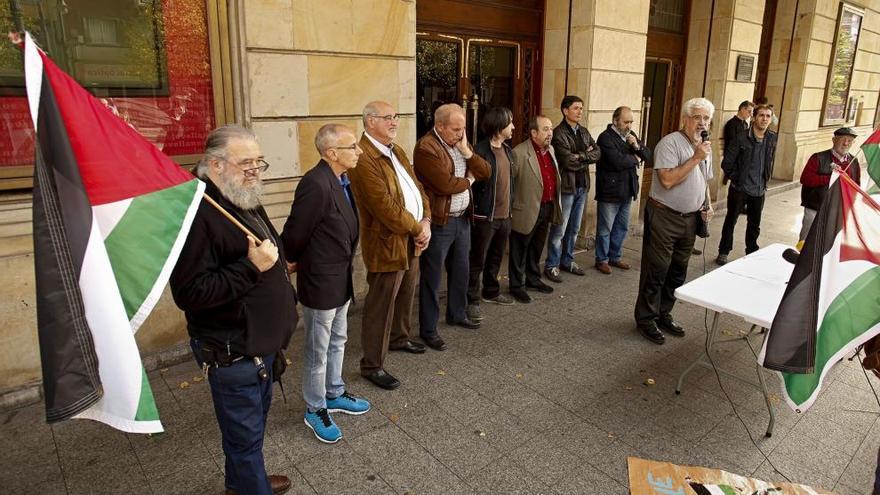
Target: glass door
{"x":478,"y":74}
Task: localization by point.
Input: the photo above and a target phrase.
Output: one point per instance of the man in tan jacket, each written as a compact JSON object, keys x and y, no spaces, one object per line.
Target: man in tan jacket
{"x":447,"y":166}
{"x":395,"y":224}
{"x":536,"y":204}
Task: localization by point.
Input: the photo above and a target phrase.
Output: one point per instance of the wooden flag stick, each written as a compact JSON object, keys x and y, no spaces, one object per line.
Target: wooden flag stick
{"x":231,"y":218}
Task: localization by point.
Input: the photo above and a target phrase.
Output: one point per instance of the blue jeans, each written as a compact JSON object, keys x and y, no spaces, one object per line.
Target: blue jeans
{"x":324,"y":346}
{"x":560,"y":244}
{"x":241,"y":404}
{"x":612,"y":224}
{"x":449,"y":249}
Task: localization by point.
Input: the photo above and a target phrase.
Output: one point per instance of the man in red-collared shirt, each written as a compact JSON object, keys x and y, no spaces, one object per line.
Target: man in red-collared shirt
{"x":534,"y":206}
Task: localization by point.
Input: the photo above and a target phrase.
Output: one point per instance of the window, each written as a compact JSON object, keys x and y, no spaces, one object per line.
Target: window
{"x":846,"y":40}
{"x":147,"y":60}
{"x":667,"y":15}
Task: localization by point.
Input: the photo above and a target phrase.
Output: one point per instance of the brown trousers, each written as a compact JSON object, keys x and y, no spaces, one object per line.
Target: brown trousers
{"x":387,"y":314}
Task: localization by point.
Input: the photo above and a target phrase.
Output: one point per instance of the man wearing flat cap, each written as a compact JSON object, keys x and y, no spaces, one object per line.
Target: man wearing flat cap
{"x":817,"y":174}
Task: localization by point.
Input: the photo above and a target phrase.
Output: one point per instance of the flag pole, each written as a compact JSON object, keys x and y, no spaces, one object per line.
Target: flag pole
{"x":231,"y":218}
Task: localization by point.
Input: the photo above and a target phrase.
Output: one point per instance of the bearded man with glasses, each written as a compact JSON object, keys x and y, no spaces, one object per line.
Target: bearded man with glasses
{"x":240,"y":306}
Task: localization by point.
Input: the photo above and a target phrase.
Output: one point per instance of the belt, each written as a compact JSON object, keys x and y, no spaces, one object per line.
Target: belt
{"x":661,"y":206}
{"x":457,"y":214}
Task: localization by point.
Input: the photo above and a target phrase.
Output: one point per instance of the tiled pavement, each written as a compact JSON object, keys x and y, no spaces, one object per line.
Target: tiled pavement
{"x":545,"y":398}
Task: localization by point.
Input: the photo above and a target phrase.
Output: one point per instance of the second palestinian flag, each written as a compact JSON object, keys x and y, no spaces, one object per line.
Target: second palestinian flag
{"x":832,"y":302}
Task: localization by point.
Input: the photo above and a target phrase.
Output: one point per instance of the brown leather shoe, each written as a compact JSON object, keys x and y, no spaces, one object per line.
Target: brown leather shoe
{"x":623,"y":265}
{"x":280,"y":484}
{"x":604,"y":268}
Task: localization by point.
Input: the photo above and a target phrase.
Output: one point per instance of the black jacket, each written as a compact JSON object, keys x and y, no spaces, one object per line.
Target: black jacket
{"x":571,"y":152}
{"x":484,"y":190}
{"x":616,"y":177}
{"x":738,"y":156}
{"x":321,"y":236}
{"x":733,"y":128}
{"x":226,"y":299}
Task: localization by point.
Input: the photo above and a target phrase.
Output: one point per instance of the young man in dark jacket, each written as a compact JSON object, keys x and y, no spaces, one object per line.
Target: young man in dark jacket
{"x":240,"y":306}
{"x":748,"y":165}
{"x":491,"y":226}
{"x":617,"y":185}
{"x":575,"y":150}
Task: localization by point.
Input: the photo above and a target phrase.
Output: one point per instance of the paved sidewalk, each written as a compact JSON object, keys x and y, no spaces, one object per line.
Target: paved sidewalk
{"x":545,"y":398}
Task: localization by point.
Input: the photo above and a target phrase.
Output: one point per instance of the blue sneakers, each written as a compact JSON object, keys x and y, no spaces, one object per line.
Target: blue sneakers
{"x":323,"y":425}
{"x":348,"y":404}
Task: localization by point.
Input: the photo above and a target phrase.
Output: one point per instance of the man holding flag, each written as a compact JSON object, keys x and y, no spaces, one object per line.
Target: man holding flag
{"x":239,"y":304}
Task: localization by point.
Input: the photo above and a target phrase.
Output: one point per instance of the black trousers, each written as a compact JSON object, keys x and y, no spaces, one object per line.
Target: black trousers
{"x":666,"y":249}
{"x":754,"y":206}
{"x":525,"y":250}
{"x":488,"y":242}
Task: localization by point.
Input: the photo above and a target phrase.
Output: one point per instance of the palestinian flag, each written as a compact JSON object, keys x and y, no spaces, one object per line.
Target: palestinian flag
{"x":871,"y":149}
{"x":701,"y":489}
{"x":831,"y":304}
{"x":111,"y":213}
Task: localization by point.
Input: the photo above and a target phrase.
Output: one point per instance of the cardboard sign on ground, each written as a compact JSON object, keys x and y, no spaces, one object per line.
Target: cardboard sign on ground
{"x":663,"y":478}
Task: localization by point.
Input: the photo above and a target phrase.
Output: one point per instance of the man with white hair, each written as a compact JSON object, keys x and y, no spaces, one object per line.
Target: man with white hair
{"x":677,"y":202}
{"x":240,"y":306}
{"x":395,"y":227}
{"x":321,"y":236}
{"x":447,"y":166}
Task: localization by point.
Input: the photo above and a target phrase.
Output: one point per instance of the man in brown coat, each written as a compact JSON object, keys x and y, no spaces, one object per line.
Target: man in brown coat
{"x":447,"y":166}
{"x":395,"y":224}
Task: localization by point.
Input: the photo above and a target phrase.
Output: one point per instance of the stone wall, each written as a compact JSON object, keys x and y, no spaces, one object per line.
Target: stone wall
{"x":802,"y":92}
{"x":606,"y":66}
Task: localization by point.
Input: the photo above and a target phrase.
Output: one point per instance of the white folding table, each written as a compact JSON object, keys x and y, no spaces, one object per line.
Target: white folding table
{"x":751,"y":288}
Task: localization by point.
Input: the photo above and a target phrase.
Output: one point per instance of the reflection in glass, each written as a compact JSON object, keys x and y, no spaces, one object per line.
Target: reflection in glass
{"x":109,"y":45}
{"x":667,"y":15}
{"x":842,"y":60}
{"x":437,"y":65}
{"x":492,"y":73}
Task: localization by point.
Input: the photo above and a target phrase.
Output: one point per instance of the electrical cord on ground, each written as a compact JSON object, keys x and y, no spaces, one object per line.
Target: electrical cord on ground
{"x":868,"y":378}
{"x":721,"y":386}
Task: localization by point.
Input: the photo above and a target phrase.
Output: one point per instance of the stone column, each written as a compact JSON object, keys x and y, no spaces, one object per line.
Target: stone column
{"x":736,"y":27}
{"x":606,"y":66}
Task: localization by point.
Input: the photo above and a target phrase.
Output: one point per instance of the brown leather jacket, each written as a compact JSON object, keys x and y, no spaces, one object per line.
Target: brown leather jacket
{"x":386,"y":225}
{"x":434,"y":167}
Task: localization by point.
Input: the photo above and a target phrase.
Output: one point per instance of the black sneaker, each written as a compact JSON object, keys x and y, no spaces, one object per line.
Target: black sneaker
{"x":574,"y":269}
{"x":540,"y":287}
{"x":721,"y":259}
{"x":552,"y":274}
{"x":521,"y":296}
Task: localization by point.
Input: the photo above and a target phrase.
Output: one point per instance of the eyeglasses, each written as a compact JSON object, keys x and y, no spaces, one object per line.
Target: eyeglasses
{"x":257,"y":165}
{"x":387,"y":118}
{"x":701,"y":118}
{"x":352,"y":147}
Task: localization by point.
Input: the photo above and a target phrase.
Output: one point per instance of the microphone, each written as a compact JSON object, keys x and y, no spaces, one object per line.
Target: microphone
{"x":791,"y":255}
{"x":705,"y":136}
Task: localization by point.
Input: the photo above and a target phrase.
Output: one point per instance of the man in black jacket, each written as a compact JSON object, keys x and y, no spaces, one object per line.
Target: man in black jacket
{"x":240,"y":307}
{"x":617,"y":185}
{"x":575,"y":150}
{"x":739,"y":123}
{"x":321,"y":236}
{"x":491,"y":226}
{"x":748,"y":165}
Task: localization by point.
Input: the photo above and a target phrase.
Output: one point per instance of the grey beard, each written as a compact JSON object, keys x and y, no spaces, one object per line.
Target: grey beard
{"x":244,"y":197}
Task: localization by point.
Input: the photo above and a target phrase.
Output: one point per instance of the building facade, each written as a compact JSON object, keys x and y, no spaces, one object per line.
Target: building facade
{"x":176,"y":69}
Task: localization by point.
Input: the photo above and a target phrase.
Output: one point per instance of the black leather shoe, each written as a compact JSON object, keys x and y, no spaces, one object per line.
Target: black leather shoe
{"x":383,"y":380}
{"x":652,"y":333}
{"x":435,"y":343}
{"x":668,"y":325}
{"x":521,"y":296}
{"x":465,"y":323}
{"x":411,"y":347}
{"x":540,"y":287}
